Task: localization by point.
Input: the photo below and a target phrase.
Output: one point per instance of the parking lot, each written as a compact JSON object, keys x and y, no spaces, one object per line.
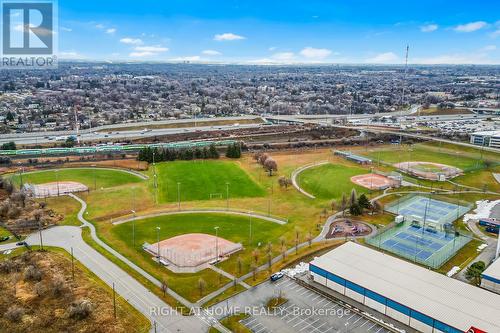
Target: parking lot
{"x":305,"y":311}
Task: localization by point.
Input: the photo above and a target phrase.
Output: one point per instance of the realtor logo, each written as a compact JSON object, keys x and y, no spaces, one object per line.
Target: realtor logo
{"x":28,"y":34}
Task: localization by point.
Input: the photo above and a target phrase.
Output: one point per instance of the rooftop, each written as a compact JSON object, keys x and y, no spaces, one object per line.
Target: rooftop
{"x":448,"y":300}
{"x":487,"y":133}
{"x":493,"y":271}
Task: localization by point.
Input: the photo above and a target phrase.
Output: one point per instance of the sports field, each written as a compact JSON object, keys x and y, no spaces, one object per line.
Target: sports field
{"x":203,"y":180}
{"x":103,"y":177}
{"x":329,"y":181}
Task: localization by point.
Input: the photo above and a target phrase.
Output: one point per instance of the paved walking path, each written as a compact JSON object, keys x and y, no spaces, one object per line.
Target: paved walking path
{"x":198,"y":211}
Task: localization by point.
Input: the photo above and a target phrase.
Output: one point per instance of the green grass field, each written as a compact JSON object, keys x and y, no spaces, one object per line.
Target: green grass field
{"x":329,"y":181}
{"x":103,"y":177}
{"x":422,"y":153}
{"x":199,"y":179}
{"x":232,"y":227}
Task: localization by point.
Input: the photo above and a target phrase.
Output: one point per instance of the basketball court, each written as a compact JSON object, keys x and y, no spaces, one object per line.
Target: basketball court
{"x":374,"y":181}
{"x":192,"y":252}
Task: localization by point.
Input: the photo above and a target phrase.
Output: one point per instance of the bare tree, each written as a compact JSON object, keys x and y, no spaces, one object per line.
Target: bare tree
{"x":254,"y":271}
{"x":270,"y":165}
{"x":284,"y":182}
{"x":164,"y":287}
{"x":256,"y":255}
{"x":239,"y":261}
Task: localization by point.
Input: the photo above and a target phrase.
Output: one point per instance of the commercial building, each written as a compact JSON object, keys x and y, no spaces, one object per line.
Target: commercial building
{"x":420,"y":298}
{"x":486,"y":139}
{"x":353,"y":157}
{"x":491,"y":277}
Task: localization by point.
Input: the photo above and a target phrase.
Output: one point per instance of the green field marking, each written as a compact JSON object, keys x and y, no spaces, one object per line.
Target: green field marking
{"x":103,"y":177}
{"x":329,"y":181}
{"x":201,"y":179}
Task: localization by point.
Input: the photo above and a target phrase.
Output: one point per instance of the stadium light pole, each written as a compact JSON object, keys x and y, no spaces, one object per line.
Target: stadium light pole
{"x":57,"y":181}
{"x":250,"y":238}
{"x":178,"y":195}
{"x":95,"y":181}
{"x":21,"y":176}
{"x":216,"y":243}
{"x":227,"y":196}
{"x":158,"y":245}
{"x":133,"y":227}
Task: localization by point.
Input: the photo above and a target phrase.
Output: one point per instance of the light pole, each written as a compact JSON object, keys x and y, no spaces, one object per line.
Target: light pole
{"x":21,"y":176}
{"x":216,"y":243}
{"x":133,"y":227}
{"x":57,"y":181}
{"x":158,"y":244}
{"x":156,"y":188}
{"x":227,"y":196}
{"x":250,"y":238}
{"x":178,"y":196}
{"x":95,"y":181}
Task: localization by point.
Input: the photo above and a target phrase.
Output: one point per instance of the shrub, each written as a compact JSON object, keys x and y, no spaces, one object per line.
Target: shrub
{"x":14,"y":313}
{"x":80,"y":309}
{"x":58,"y":287}
{"x":32,"y":273}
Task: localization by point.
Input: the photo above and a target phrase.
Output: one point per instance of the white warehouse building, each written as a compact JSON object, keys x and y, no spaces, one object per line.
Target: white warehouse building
{"x":420,"y":298}
{"x":490,"y":279}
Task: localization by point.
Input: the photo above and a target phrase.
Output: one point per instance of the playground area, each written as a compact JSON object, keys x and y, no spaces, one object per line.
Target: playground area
{"x":54,"y":189}
{"x":420,"y":243}
{"x":428,"y":170}
{"x":427,"y":210}
{"x":190,"y":253}
{"x":374,"y":181}
{"x":347,"y":228}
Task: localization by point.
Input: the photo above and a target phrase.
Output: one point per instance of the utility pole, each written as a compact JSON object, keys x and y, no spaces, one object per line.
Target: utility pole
{"x":158,"y":243}
{"x":40,"y":232}
{"x":114,"y":300}
{"x":250,"y":238}
{"x":57,"y":181}
{"x":227,"y":196}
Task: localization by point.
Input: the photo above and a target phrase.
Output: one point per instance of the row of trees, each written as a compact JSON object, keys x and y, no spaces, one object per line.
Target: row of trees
{"x":233,"y":151}
{"x":166,"y":154}
{"x":267,"y":162}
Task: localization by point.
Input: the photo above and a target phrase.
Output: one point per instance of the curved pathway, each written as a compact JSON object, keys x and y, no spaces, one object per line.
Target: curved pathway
{"x":296,"y":172}
{"x":202,"y":211}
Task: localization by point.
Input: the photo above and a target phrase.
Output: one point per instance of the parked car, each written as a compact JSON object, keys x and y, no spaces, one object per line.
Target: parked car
{"x":23,"y":243}
{"x":4,"y":238}
{"x":276,"y":276}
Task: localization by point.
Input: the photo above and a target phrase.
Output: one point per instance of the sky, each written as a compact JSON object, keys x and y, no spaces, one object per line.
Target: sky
{"x":281,"y":32}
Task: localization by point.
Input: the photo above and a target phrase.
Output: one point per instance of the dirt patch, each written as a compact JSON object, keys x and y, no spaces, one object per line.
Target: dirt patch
{"x":348,"y":228}
{"x":429,"y":170}
{"x":374,"y":181}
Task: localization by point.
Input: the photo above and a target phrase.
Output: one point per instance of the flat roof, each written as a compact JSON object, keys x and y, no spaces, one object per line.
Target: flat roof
{"x":453,"y":302}
{"x":493,"y":270}
{"x":487,"y":133}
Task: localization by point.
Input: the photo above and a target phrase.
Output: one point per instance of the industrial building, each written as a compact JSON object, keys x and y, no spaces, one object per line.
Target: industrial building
{"x":353,"y":157}
{"x":420,"y":298}
{"x":490,"y":279}
{"x":486,"y":139}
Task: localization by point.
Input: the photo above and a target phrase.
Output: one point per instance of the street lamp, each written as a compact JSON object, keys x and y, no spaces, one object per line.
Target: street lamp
{"x":250,"y":239}
{"x":216,"y":243}
{"x":57,"y":181}
{"x":158,"y":244}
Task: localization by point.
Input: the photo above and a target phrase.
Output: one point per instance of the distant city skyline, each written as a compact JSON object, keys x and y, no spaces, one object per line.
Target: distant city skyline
{"x":292,"y":32}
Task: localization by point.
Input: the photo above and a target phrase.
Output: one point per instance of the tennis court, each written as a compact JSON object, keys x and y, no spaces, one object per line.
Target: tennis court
{"x":428,"y":210}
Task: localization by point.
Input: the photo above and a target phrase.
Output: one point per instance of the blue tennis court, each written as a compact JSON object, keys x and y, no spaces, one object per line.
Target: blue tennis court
{"x":427,"y":209}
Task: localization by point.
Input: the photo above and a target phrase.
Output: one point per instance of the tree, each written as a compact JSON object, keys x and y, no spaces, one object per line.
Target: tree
{"x":262,"y":158}
{"x":355,"y":209}
{"x":164,"y":287}
{"x":212,"y":152}
{"x":201,"y":286}
{"x":233,"y":151}
{"x":376,"y":206}
{"x":284,"y":181}
{"x":256,"y":255}
{"x":343,"y":204}
{"x":254,"y":271}
{"x":353,"y":198}
{"x":364,"y":202}
{"x":70,"y":142}
{"x":333,"y":205}
{"x":9,"y":146}
{"x":474,"y":271}
{"x":270,"y":165}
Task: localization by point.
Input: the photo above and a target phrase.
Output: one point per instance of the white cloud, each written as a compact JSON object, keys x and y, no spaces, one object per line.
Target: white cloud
{"x":310,"y":52}
{"x":65,"y":29}
{"x":99,"y":26}
{"x":70,"y":55}
{"x":190,"y":58}
{"x":211,"y":53}
{"x":383,"y":58}
{"x":489,"y":48}
{"x":142,"y":54}
{"x":470,"y":27}
{"x":155,"y":49}
{"x":429,"y":28}
{"x":110,"y":31}
{"x":272,"y":48}
{"x":495,"y":33}
{"x":132,"y":41}
{"x":283,"y":56}
{"x":456,"y":59}
{"x":227,"y":36}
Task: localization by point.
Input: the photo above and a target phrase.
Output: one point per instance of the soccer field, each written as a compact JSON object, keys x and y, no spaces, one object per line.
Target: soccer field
{"x":203,"y":180}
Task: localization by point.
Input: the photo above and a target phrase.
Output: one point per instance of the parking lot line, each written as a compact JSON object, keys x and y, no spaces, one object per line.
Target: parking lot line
{"x":379,"y":329}
{"x":318,"y":327}
{"x":321,"y":301}
{"x":316,"y":297}
{"x":310,"y":324}
{"x":296,"y":286}
{"x":374,"y":324}
{"x":351,"y":316}
{"x":357,"y":320}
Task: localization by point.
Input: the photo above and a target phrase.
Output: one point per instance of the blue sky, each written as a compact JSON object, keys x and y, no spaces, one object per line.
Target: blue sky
{"x":306,"y":31}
